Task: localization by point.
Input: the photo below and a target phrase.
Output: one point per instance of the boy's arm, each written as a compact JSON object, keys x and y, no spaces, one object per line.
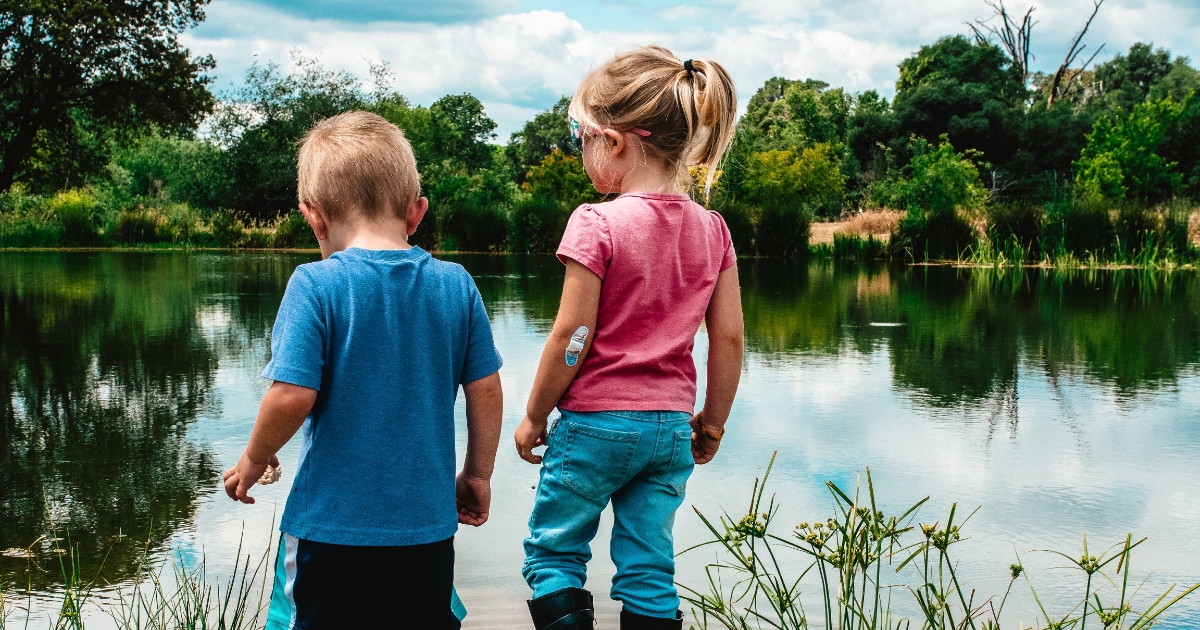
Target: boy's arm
{"x":580,"y":303}
{"x":485,"y":414}
{"x":283,"y":410}
{"x":726,"y":341}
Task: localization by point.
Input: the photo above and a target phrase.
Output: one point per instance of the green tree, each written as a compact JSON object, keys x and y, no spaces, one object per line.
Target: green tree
{"x":546,"y":133}
{"x":72,"y":69}
{"x":1121,"y":161}
{"x":940,"y":182}
{"x":969,"y":91}
{"x":1128,"y":78}
{"x":263,"y":122}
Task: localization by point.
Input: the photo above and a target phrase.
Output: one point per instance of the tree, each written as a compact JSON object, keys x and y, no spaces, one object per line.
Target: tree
{"x":548,"y":132}
{"x":264,"y":121}
{"x":1128,"y":78}
{"x":70,"y":67}
{"x":969,"y":91}
{"x":1121,"y":160}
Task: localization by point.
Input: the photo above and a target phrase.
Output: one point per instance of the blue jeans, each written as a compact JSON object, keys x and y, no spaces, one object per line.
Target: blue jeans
{"x":641,"y":461}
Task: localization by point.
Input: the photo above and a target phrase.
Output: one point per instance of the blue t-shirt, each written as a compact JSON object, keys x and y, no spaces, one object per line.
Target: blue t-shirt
{"x":386,"y":337}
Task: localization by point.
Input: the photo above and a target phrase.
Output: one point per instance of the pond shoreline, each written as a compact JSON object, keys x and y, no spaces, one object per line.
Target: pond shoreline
{"x":816,"y":255}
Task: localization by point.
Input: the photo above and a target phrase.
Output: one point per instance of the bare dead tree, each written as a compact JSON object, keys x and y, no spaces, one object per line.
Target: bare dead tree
{"x":1013,"y":35}
{"x":1064,"y":71}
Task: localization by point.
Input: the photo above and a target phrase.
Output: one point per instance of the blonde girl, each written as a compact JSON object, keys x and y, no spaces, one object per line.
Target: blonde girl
{"x":643,"y":271}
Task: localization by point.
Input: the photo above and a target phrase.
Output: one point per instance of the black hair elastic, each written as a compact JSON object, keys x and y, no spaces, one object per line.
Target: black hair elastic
{"x":687,"y":65}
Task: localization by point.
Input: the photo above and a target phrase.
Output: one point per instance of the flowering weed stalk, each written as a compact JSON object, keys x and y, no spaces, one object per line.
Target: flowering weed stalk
{"x":749,"y":589}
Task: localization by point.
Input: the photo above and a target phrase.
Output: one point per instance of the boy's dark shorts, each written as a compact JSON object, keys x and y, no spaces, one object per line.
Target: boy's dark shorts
{"x":319,"y":586}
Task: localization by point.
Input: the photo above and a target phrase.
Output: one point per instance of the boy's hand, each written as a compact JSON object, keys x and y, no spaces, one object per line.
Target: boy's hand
{"x":240,"y":478}
{"x":530,"y":435}
{"x":704,"y":449}
{"x":473,"y":496}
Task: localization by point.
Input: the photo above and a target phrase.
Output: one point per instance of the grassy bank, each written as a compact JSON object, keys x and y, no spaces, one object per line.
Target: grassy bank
{"x":1068,"y":233}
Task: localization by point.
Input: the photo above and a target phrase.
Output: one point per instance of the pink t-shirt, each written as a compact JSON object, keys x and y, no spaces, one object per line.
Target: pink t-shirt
{"x":658,"y":256}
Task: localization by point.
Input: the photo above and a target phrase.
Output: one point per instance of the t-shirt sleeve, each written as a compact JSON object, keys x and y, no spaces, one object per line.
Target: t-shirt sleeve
{"x":587,"y":241}
{"x":482,"y":356}
{"x":298,"y":339}
{"x":729,"y":256}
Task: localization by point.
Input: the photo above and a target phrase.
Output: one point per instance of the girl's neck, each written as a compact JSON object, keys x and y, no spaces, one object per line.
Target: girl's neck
{"x":651,"y":181}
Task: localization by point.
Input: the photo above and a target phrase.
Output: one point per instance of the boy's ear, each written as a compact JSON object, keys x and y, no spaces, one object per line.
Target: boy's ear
{"x":316,"y":220}
{"x":416,"y":212}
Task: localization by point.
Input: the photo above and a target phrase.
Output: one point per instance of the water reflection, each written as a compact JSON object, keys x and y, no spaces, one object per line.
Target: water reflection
{"x":113,"y":415}
{"x":104,"y":364}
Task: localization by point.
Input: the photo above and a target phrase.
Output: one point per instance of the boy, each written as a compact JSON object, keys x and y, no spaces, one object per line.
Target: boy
{"x":369,"y":348}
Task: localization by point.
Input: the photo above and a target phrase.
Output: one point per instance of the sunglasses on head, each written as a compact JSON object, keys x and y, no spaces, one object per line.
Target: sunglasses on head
{"x":579,"y":131}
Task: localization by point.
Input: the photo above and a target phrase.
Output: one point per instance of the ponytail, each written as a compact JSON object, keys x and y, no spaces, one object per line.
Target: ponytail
{"x":689,"y":107}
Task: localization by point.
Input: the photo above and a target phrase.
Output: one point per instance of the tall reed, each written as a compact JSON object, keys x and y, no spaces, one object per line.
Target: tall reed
{"x":855,"y":553}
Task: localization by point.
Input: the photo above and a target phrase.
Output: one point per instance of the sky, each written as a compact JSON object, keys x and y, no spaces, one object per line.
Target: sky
{"x":519,"y":56}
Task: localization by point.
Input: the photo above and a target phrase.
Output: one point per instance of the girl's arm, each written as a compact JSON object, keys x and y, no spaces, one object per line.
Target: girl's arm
{"x":580,"y":301}
{"x":726,"y":341}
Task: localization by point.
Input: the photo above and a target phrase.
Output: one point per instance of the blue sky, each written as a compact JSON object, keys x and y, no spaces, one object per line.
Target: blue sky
{"x":518,"y":56}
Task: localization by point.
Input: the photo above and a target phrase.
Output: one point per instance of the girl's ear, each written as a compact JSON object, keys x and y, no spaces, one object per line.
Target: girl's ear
{"x":615,"y":142}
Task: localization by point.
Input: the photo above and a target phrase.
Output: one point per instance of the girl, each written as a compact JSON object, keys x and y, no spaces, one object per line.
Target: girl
{"x":643,"y":271}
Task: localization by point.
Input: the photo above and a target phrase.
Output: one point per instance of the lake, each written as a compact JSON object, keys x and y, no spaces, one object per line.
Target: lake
{"x":1057,"y":402}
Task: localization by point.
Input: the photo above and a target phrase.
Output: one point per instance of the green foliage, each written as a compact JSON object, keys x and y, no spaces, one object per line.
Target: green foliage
{"x":472,"y":213}
{"x":1128,"y":79}
{"x":76,"y":73}
{"x":536,"y":224}
{"x":293,"y":232}
{"x":940,"y":181}
{"x":79,"y":213}
{"x":172,"y":168}
{"x":560,"y":177}
{"x":228,"y":229}
{"x":811,"y":178}
{"x":546,"y":133}
{"x":968,"y":91}
{"x":1120,"y":159}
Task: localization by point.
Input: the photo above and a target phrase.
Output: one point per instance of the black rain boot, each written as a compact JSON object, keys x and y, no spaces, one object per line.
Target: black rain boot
{"x":634,"y":621}
{"x":564,"y":609}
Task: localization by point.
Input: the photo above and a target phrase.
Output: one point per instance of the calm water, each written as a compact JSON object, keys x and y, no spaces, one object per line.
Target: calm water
{"x":1060,"y":403}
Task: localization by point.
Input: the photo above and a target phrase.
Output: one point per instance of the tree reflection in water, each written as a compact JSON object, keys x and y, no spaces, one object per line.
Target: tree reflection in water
{"x":103,"y":366}
{"x":107,"y":359}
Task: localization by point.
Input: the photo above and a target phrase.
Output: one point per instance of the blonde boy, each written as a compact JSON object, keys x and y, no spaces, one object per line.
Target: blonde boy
{"x":369,"y":349}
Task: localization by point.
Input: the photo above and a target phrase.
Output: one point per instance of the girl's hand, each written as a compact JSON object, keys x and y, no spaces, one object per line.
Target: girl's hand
{"x":530,"y":435}
{"x":704,"y":449}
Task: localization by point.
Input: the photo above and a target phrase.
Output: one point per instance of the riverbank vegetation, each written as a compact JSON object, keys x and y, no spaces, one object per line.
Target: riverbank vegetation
{"x":988,"y":161}
{"x":862,"y":562}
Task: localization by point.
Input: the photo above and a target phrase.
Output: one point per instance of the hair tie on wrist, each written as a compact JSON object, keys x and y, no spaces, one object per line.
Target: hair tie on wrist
{"x":687,"y":65}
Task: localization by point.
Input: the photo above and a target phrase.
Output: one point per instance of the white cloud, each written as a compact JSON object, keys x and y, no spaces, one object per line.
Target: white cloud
{"x":519,"y":63}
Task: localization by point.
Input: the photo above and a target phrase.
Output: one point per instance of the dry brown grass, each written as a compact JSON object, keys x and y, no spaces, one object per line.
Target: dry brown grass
{"x":1194,"y":227}
{"x":877,"y":223}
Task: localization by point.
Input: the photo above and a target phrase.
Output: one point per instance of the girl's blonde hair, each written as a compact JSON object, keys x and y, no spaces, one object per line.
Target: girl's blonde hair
{"x":689,"y":107}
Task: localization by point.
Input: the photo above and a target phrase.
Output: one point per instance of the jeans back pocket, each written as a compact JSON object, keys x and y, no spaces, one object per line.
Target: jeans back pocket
{"x":596,"y":461}
{"x":682,"y":462}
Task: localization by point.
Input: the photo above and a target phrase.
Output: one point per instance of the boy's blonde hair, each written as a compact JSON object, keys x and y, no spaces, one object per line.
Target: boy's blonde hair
{"x":689,"y":107}
{"x":357,"y":162}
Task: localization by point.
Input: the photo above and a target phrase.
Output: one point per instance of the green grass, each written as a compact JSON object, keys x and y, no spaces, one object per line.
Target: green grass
{"x":174,"y":595}
{"x":856,"y":554}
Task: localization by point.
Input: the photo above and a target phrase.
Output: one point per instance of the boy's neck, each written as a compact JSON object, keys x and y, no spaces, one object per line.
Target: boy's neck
{"x":377,"y":233}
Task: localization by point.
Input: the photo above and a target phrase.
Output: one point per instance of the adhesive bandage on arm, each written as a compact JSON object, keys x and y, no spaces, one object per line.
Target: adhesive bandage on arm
{"x":576,"y":345}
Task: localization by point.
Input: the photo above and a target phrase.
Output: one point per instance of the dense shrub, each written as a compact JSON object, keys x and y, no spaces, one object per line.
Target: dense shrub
{"x":228,"y":229}
{"x":1077,"y":227}
{"x":79,"y":213}
{"x":933,"y":236}
{"x":783,"y":229}
{"x":292,"y":231}
{"x":1120,"y":159}
{"x":940,"y":183}
{"x":138,"y":225}
{"x":536,"y":224}
{"x":1015,"y":223}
